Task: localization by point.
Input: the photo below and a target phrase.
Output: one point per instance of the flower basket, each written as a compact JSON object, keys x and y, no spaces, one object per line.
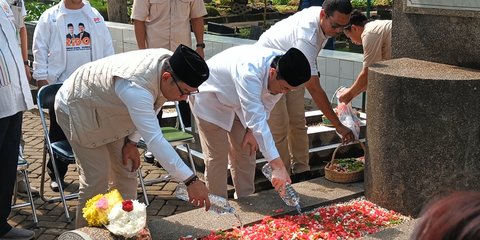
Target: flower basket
{"x":342,"y":177}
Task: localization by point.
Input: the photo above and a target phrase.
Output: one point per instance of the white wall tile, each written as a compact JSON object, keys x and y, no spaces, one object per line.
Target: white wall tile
{"x":322,"y":65}
{"x":357,"y":102}
{"x":346,"y":69}
{"x":217,"y":47}
{"x":333,"y":67}
{"x":322,"y":81}
{"x":357,"y":68}
{"x":129,"y":36}
{"x":331,"y":85}
{"x":129,"y":46}
{"x":345,"y":82}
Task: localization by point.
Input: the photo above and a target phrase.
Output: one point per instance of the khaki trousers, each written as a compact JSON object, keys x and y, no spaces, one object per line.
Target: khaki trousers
{"x":288,"y":126}
{"x":218,"y":147}
{"x":99,"y":169}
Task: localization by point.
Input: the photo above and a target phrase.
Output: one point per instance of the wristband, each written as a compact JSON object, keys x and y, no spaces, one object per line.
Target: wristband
{"x":200,"y":45}
{"x":26,"y":63}
{"x":191,"y":180}
{"x":127,"y":140}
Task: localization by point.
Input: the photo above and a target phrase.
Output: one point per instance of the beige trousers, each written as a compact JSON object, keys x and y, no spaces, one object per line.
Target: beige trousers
{"x":99,"y":169}
{"x":218,"y":147}
{"x":288,"y":126}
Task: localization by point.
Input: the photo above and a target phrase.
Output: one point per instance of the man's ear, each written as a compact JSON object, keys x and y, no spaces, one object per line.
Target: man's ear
{"x":166,"y":76}
{"x":322,"y":13}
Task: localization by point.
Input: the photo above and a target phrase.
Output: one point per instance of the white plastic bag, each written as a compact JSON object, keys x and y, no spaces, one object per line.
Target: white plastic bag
{"x":347,"y":116}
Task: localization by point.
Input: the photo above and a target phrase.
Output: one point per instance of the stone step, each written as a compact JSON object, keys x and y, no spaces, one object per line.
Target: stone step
{"x":318,"y":135}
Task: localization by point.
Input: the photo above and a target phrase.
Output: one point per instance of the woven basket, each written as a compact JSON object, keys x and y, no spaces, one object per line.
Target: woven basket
{"x":342,"y":177}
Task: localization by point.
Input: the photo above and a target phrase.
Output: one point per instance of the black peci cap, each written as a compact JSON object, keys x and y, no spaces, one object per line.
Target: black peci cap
{"x":294,"y":67}
{"x":189,"y":66}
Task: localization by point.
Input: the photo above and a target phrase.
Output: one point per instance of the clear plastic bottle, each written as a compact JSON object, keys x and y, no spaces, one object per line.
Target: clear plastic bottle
{"x":291,"y":197}
{"x":218,"y":204}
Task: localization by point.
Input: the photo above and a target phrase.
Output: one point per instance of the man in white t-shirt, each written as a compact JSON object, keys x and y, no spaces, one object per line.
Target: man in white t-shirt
{"x":307,"y":30}
{"x":376,"y":39}
{"x":57,"y":54}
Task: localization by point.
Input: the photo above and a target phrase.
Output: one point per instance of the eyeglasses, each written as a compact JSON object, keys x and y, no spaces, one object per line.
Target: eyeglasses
{"x":335,"y":25}
{"x":182,"y":93}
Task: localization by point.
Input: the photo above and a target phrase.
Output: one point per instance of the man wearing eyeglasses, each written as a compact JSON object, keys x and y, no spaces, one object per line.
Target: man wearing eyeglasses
{"x":232,"y":108}
{"x":376,"y":39}
{"x":107,"y":105}
{"x":307,"y":30}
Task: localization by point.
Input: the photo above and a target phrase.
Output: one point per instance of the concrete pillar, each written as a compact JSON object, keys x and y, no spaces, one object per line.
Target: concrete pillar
{"x":423,"y":132}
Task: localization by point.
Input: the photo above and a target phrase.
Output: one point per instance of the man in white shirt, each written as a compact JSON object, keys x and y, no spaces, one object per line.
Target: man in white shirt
{"x":232,"y":108}
{"x":15,"y":98}
{"x":376,"y":39}
{"x":107,"y":105}
{"x":307,"y":30}
{"x":57,"y":54}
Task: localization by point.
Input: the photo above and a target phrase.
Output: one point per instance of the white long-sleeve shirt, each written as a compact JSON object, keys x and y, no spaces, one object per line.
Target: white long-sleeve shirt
{"x":146,"y":122}
{"x":301,"y":30}
{"x":238,"y":85}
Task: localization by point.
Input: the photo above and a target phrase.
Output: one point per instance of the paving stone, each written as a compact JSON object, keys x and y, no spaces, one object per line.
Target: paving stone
{"x":167,"y":210}
{"x":48,"y":224}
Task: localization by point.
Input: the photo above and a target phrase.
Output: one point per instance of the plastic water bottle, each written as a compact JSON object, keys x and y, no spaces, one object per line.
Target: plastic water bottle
{"x":218,"y":204}
{"x":291,"y":197}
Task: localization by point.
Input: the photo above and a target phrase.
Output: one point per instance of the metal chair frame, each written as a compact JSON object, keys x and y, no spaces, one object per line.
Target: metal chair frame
{"x":45,"y":100}
{"x":22,"y":166}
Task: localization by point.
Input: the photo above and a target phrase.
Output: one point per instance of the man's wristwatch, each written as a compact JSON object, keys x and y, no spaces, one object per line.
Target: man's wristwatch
{"x":190,"y":180}
{"x":127,"y":140}
{"x":26,"y":62}
{"x":200,"y":45}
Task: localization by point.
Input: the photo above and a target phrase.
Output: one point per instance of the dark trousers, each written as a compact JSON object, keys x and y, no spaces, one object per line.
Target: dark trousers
{"x":56,"y":134}
{"x":10,"y":132}
{"x":185,"y":112}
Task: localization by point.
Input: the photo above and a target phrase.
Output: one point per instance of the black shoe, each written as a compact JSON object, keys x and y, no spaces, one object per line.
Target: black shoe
{"x":54,"y":185}
{"x":300,"y":177}
{"x":18,"y":234}
{"x":148,"y":157}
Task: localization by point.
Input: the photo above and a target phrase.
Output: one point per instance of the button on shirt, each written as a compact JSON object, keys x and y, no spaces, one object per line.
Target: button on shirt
{"x":168,"y":21}
{"x":237,"y":85}
{"x":301,"y":30}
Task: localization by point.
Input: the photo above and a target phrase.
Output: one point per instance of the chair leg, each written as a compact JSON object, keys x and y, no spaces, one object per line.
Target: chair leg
{"x":30,"y":197}
{"x":15,"y":190}
{"x":62,"y":197}
{"x":142,"y":184}
{"x":190,"y":157}
{"x":60,"y":190}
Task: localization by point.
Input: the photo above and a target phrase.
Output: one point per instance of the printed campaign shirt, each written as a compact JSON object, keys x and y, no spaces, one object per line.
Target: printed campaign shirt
{"x":77,"y":41}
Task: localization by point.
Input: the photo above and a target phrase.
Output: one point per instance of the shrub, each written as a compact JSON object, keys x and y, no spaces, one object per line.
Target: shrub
{"x":35,"y":9}
{"x":280,"y":2}
{"x":212,"y":11}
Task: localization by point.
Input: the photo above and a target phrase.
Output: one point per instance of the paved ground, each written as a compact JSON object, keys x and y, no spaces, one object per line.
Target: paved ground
{"x":52,"y":221}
